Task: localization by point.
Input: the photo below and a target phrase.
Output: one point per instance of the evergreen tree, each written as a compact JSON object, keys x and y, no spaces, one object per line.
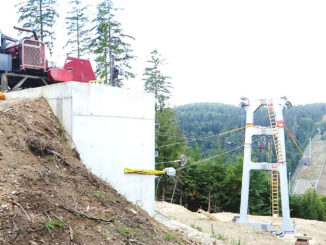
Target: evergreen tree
{"x":39,"y":15}
{"x":169,"y":148}
{"x":113,"y":53}
{"x":155,"y":82}
{"x":76,"y":25}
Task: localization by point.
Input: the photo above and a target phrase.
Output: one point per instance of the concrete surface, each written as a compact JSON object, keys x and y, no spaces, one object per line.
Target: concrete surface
{"x":112,"y":128}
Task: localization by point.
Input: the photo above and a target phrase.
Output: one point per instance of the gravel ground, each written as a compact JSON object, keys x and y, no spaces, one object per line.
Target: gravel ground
{"x":231,"y":233}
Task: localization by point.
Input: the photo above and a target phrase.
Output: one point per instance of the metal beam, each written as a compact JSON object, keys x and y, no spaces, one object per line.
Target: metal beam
{"x":20,"y":83}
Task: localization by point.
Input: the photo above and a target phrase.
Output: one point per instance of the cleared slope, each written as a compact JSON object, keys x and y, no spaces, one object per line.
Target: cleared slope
{"x":312,"y":175}
{"x":47,"y":196}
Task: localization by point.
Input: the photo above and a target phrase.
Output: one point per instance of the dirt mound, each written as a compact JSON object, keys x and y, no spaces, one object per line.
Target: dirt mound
{"x":47,"y":196}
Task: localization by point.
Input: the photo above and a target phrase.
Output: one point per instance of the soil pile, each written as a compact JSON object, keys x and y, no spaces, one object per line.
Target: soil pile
{"x":47,"y":196}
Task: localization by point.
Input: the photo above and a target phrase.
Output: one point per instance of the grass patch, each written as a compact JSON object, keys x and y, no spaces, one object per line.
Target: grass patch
{"x":126,"y":231}
{"x":198,"y":228}
{"x":102,"y":196}
{"x":169,"y":236}
{"x":236,"y":242}
{"x":50,"y":225}
{"x":221,"y":237}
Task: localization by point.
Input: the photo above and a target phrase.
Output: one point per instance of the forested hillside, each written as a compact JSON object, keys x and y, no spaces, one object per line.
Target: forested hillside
{"x":212,"y":176}
{"x":209,"y":119}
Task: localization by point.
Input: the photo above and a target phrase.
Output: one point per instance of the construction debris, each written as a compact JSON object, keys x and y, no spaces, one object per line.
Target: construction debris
{"x":207,"y":214}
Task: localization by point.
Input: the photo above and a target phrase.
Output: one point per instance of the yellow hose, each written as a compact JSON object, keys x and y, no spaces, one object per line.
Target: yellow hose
{"x":2,"y":96}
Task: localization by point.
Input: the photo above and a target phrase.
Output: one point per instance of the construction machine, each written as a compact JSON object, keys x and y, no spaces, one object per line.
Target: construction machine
{"x":23,"y":64}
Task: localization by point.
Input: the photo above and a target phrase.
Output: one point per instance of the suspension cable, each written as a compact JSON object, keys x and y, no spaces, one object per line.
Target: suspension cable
{"x":218,"y":155}
{"x":292,"y":137}
{"x":203,"y":138}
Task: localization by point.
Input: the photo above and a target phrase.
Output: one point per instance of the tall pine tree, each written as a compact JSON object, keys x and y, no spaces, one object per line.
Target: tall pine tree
{"x":39,"y":15}
{"x":113,"y":53}
{"x":76,"y":25}
{"x":156,"y":82}
{"x":169,"y":148}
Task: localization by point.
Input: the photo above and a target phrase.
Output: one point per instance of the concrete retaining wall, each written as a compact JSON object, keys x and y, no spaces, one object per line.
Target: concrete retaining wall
{"x":112,"y":128}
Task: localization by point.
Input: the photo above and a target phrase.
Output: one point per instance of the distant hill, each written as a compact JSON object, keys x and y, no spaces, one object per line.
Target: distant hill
{"x":209,"y":119}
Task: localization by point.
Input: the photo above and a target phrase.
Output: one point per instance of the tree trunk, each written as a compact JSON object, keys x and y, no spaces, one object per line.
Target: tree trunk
{"x":41,"y":19}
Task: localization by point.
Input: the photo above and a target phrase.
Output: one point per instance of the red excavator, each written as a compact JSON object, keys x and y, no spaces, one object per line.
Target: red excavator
{"x":23,"y":64}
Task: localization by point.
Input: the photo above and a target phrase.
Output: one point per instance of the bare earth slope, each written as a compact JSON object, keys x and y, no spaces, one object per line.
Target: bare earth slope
{"x":47,"y":196}
{"x":232,"y":233}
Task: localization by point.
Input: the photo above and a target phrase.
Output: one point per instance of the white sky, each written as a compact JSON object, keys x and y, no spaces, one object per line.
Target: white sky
{"x":218,"y":51}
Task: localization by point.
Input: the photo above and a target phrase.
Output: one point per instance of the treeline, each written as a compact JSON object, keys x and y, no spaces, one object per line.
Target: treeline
{"x":209,"y":119}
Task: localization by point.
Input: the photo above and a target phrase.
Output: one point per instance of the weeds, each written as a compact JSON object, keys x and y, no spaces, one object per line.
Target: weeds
{"x":196,"y":227}
{"x":168,"y":236}
{"x":97,"y":230}
{"x":236,"y":242}
{"x":50,"y":225}
{"x":60,"y":176}
{"x":106,"y":236}
{"x":221,"y":237}
{"x":126,"y":230}
{"x":102,"y":196}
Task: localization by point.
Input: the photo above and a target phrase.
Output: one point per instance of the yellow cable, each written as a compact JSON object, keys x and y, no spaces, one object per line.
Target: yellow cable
{"x":287,"y":130}
{"x":237,"y":129}
{"x":143,"y":171}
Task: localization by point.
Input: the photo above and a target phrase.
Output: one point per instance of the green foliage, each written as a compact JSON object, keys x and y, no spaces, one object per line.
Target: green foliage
{"x":155,"y":82}
{"x":322,"y":127}
{"x":221,"y":237}
{"x":169,"y":148}
{"x":309,"y":205}
{"x":113,"y":53}
{"x":39,"y":15}
{"x":205,"y":120}
{"x":198,"y":228}
{"x":76,"y":25}
{"x":259,"y":193}
{"x":169,"y":236}
{"x":50,"y":225}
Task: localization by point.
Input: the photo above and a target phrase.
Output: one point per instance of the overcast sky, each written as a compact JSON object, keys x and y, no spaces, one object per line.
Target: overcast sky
{"x":218,"y":51}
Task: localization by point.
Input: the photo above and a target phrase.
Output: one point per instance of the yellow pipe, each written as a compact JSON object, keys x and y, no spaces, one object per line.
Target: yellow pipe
{"x":143,"y":171}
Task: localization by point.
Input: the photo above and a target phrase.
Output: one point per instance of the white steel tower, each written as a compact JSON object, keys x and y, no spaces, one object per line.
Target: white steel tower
{"x":278,"y":169}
